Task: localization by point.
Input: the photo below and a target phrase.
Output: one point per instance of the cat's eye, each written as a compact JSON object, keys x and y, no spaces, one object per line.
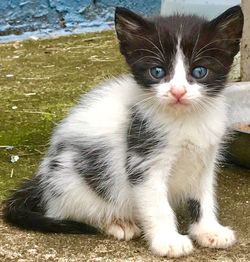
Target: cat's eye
{"x":157,"y":72}
{"x":199,"y":72}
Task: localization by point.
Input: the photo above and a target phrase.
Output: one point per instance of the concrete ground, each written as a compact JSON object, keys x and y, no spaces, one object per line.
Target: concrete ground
{"x":234,"y":192}
{"x":39,"y":82}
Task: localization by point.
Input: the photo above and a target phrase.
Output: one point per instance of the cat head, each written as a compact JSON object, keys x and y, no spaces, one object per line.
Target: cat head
{"x":181,"y":59}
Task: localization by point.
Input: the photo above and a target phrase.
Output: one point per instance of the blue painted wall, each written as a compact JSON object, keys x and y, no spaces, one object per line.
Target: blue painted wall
{"x":46,"y":16}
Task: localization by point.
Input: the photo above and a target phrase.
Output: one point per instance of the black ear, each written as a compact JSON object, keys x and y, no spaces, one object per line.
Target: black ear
{"x":128,"y":24}
{"x":228,"y":26}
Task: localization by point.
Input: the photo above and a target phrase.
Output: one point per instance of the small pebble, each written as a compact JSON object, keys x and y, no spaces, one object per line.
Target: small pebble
{"x":9,"y":75}
{"x":14,"y":158}
{"x":30,"y":94}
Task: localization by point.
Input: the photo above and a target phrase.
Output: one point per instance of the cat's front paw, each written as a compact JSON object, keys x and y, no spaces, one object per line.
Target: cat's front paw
{"x":171,"y":245}
{"x":214,"y":237}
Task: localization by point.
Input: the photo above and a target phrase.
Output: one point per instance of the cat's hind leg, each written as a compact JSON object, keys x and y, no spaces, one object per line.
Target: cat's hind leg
{"x":123,"y":230}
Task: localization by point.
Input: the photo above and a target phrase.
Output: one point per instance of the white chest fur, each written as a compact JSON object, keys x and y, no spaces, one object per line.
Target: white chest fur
{"x":187,"y":169}
{"x":194,"y":141}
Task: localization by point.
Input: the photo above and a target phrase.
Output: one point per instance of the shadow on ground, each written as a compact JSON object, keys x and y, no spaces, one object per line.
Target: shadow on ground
{"x":39,"y":82}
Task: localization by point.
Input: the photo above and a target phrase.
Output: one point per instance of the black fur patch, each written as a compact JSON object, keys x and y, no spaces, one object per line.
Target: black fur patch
{"x":26,"y":210}
{"x":135,"y":176}
{"x":140,"y":138}
{"x":60,"y":147}
{"x":57,"y":149}
{"x":55,"y":165}
{"x":142,"y":141}
{"x":194,"y":209}
{"x":91,"y":165}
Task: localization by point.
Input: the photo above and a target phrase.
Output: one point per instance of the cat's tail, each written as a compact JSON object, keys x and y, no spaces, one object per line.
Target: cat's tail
{"x":25,"y":210}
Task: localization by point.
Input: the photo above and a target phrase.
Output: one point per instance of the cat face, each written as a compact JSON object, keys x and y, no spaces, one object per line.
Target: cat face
{"x":181,"y":59}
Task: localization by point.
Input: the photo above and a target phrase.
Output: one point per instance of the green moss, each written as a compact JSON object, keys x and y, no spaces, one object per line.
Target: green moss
{"x":43,"y":79}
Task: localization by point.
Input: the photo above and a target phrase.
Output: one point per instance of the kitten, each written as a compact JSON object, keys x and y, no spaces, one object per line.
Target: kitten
{"x":138,"y":145}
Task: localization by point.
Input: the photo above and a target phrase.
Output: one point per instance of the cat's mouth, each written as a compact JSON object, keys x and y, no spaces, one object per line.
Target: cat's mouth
{"x":176,"y":103}
{"x":179,"y":102}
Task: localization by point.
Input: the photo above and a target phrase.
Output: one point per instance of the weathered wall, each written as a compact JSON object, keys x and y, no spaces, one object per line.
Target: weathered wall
{"x":206,"y":8}
{"x":18,"y":16}
{"x":245,"y":44}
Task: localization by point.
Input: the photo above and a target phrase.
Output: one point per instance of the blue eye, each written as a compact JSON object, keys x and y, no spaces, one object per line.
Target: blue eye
{"x":157,"y":72}
{"x":199,"y":72}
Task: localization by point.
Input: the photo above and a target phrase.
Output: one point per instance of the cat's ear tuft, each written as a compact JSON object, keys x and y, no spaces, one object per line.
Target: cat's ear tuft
{"x":229,"y":25}
{"x":128,"y":24}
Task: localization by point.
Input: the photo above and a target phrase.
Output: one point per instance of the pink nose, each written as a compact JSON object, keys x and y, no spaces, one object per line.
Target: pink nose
{"x":178,"y":92}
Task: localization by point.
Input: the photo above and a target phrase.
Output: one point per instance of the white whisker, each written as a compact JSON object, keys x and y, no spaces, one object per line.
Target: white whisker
{"x":211,"y":57}
{"x":210,"y":49}
{"x":212,"y":42}
{"x":149,"y":51}
{"x":195,"y":45}
{"x":144,"y":57}
{"x":153,"y":44}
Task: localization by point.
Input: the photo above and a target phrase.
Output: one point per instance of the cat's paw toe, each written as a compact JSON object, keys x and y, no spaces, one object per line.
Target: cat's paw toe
{"x":123,"y":230}
{"x":218,"y":237}
{"x":171,"y":245}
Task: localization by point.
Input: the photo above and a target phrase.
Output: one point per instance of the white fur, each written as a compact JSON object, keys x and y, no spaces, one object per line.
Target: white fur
{"x":184,"y":169}
{"x":172,"y":245}
{"x":213,"y":235}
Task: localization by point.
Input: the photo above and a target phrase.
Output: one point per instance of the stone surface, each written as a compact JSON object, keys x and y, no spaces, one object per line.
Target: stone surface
{"x":245,"y":44}
{"x":234,"y":193}
{"x":45,"y":16}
